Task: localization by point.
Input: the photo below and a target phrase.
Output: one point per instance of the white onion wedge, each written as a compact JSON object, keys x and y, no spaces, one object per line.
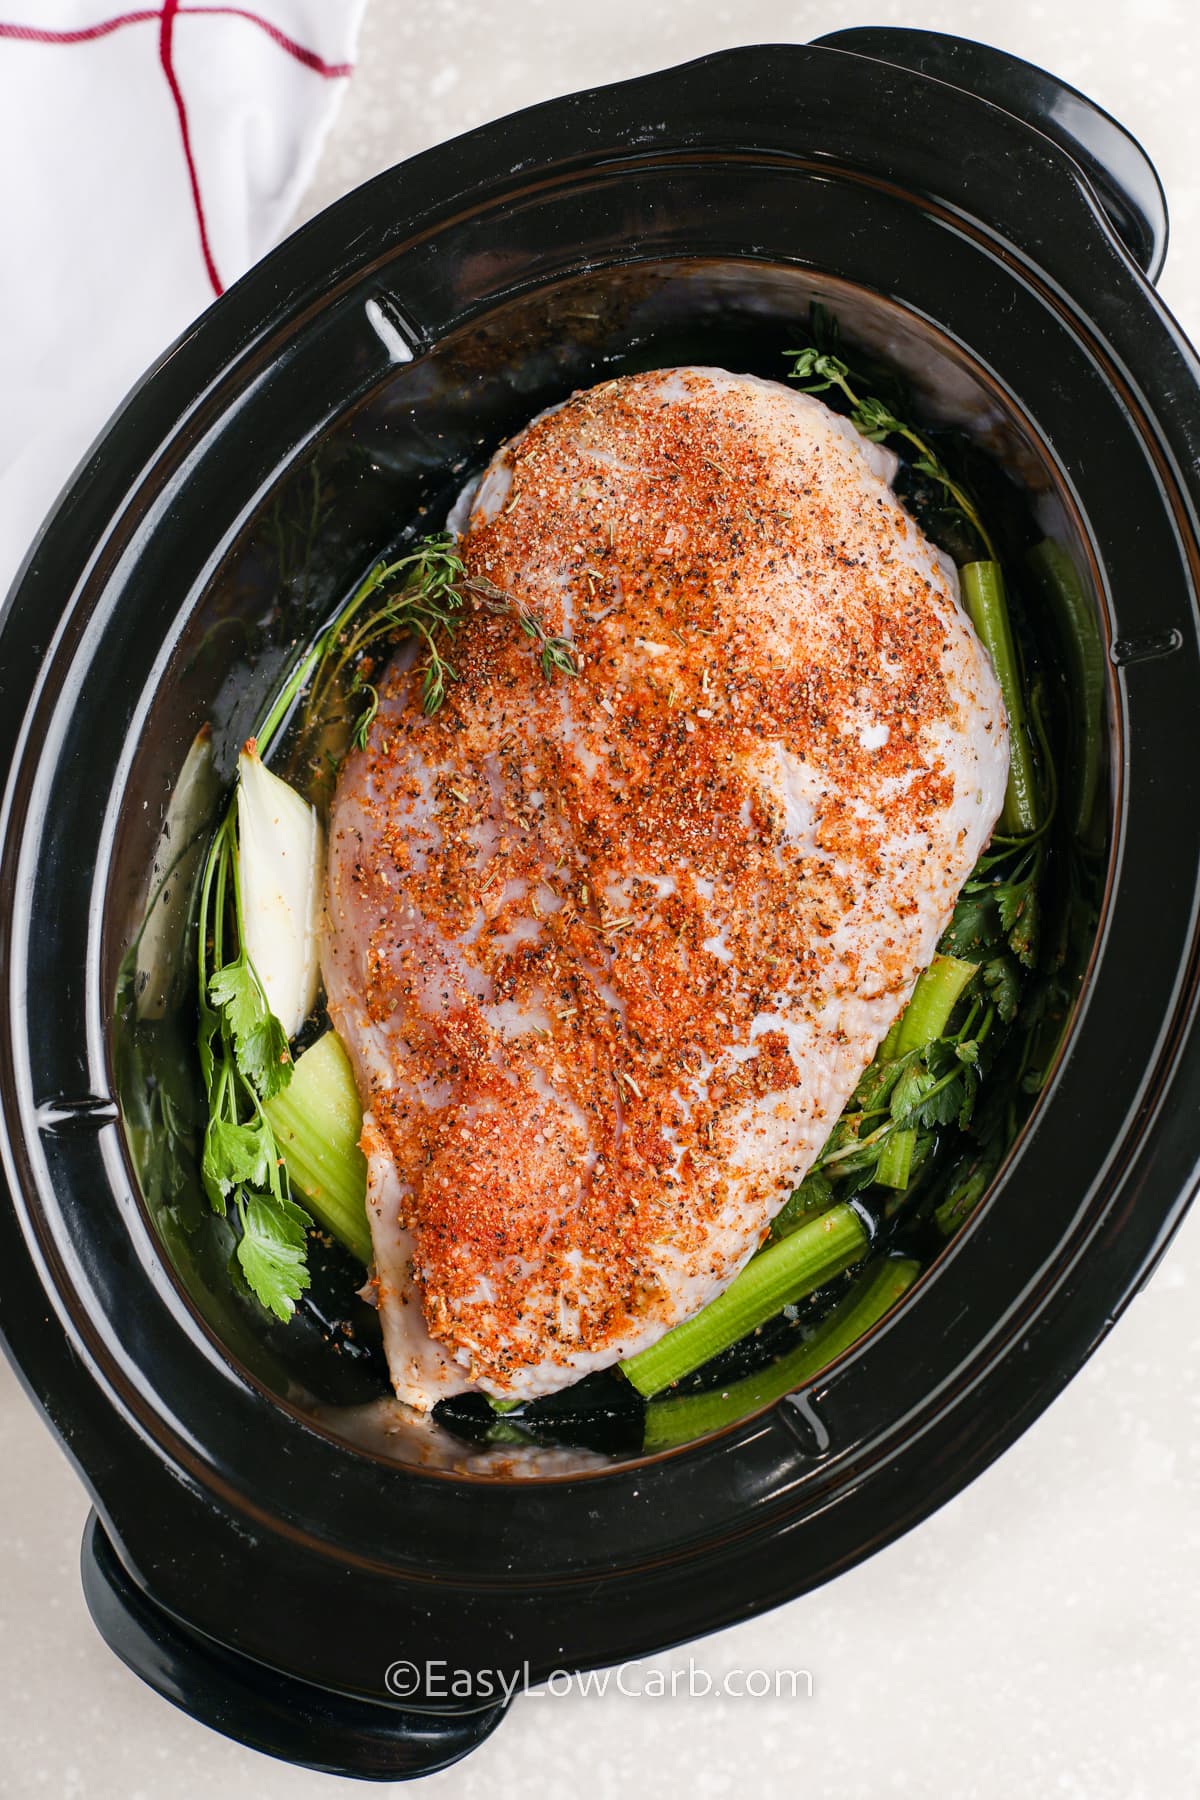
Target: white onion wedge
{"x":280,"y":863}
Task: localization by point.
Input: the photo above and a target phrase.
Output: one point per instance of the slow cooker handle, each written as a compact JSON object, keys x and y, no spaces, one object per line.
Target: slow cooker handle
{"x":272,"y":1712}
{"x":1124,"y":179}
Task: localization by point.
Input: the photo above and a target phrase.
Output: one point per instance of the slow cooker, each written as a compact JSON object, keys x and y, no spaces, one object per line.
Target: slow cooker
{"x":270,"y":1538}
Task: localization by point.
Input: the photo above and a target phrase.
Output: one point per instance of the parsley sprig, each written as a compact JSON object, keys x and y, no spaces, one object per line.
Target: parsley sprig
{"x":905,"y":1100}
{"x":244,"y":1060}
{"x":919,"y":1089}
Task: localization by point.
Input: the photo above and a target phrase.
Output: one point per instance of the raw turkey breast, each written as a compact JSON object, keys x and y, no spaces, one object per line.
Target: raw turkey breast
{"x":611,"y":951}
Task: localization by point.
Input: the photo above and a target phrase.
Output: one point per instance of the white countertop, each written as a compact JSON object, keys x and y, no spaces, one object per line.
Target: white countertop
{"x":1038,"y":1636}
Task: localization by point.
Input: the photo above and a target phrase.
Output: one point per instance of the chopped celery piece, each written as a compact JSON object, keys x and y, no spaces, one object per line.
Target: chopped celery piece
{"x":983,"y":596}
{"x":1084,"y":769}
{"x":679,"y":1420}
{"x":784,"y":1272}
{"x":317,"y":1121}
{"x":933,"y":1000}
{"x":895,"y":1160}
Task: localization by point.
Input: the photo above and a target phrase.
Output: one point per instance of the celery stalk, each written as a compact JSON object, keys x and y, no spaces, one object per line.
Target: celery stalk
{"x":317,"y":1121}
{"x":784,"y":1272}
{"x":689,"y":1416}
{"x":983,"y":596}
{"x":933,"y":1000}
{"x":895,"y":1160}
{"x":1064,"y":589}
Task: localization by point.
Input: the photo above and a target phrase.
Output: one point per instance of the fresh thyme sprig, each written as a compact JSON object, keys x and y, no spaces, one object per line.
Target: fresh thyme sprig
{"x":818,"y":371}
{"x":555,"y":654}
{"x":422,"y":597}
{"x":425,"y":593}
{"x":366,"y":717}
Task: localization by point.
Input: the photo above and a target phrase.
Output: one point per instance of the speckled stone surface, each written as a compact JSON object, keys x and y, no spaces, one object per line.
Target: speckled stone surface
{"x":1039,"y":1636}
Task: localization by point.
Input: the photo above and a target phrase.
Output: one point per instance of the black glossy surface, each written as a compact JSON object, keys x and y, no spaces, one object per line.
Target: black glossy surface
{"x":751,"y":180}
{"x":246,"y":1701}
{"x":1125,"y":180}
{"x":380,"y":463}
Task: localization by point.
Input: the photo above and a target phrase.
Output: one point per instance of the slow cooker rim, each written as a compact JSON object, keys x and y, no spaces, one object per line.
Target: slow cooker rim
{"x":247,"y":1377}
{"x":31,"y":562}
{"x":300,"y":1412}
{"x":841,"y":53}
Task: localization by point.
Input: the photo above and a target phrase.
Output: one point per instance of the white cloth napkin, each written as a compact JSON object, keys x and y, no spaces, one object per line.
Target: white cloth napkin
{"x":147,"y":157}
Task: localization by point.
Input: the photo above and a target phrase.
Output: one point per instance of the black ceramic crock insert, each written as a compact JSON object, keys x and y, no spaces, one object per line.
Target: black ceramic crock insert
{"x":247,"y":1558}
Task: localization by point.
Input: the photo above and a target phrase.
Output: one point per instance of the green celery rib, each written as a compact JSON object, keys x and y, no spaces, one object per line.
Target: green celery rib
{"x":983,"y":596}
{"x":317,"y":1121}
{"x":895,"y":1160}
{"x":1061,"y":584}
{"x":933,"y":1000}
{"x":785,"y":1271}
{"x":681,"y":1420}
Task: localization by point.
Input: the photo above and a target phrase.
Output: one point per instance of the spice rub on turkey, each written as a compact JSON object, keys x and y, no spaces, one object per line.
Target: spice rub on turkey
{"x":610,"y":951}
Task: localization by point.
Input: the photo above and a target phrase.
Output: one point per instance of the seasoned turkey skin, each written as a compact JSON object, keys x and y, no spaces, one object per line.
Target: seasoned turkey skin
{"x":611,"y":951}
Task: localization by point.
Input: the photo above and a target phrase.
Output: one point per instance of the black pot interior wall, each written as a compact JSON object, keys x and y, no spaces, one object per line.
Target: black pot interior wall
{"x":386,"y":470}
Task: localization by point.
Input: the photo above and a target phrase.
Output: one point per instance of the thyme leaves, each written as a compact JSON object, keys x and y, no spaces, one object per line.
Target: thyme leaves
{"x":818,"y":371}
